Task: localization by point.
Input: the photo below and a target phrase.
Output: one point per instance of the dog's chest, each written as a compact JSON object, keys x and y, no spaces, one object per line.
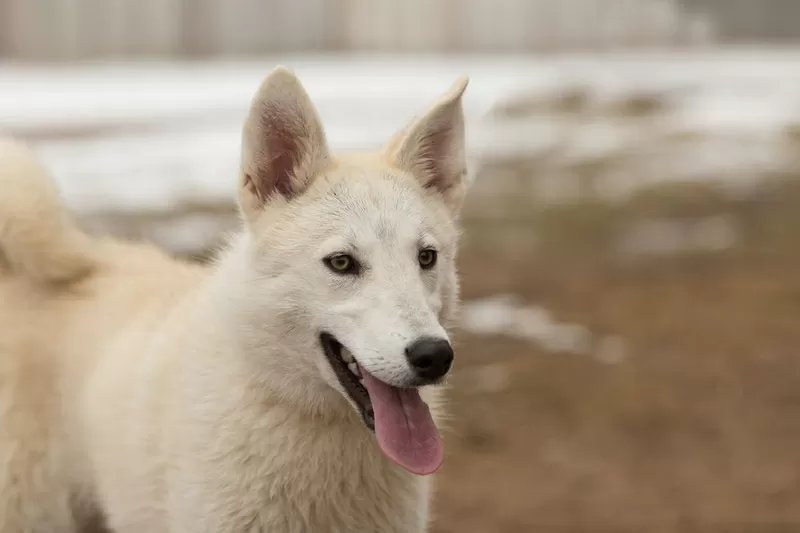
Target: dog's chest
{"x":292,"y":478}
{"x":341,"y":495}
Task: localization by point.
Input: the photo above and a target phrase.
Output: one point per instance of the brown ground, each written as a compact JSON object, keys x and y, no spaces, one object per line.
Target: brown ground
{"x":698,"y":430}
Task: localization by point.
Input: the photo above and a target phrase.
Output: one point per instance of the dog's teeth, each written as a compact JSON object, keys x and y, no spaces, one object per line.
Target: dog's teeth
{"x":353,"y":368}
{"x":347,"y":356}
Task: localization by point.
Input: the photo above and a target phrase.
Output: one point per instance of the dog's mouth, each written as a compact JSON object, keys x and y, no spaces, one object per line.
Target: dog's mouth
{"x":348,"y":372}
{"x":402,"y":422}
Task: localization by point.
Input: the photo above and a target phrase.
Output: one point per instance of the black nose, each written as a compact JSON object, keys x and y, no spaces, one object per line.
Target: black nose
{"x":430,"y":358}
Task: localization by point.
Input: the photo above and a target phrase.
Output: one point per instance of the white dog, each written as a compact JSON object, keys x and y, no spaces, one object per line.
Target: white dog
{"x":279,"y":390}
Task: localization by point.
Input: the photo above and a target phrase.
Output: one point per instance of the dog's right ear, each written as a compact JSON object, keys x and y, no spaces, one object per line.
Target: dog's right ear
{"x":283,"y":143}
{"x":432,"y":148}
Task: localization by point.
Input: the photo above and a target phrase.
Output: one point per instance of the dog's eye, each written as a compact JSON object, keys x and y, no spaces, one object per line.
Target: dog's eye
{"x":342,"y":264}
{"x":427,"y":258}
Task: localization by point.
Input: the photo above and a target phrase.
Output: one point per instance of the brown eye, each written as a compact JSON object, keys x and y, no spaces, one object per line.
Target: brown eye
{"x":427,"y":258}
{"x":342,"y":264}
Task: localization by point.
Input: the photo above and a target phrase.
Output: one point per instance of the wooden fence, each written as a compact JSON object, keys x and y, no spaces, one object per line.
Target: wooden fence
{"x":80,"y":29}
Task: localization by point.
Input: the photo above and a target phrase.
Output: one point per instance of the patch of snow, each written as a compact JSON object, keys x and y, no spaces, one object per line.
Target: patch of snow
{"x":508,"y":315}
{"x":363,"y":100}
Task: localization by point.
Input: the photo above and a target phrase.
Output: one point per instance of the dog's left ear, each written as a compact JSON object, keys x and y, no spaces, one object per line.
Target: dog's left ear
{"x":283,"y":143}
{"x":432,"y":147}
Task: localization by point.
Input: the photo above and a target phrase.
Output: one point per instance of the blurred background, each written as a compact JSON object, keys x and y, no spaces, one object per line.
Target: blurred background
{"x":629,"y":350}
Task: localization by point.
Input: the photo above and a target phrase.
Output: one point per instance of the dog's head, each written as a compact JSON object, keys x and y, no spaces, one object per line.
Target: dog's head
{"x":351,"y":259}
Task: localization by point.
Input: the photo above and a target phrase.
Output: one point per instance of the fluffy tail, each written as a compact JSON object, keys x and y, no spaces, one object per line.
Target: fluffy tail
{"x":38,"y":239}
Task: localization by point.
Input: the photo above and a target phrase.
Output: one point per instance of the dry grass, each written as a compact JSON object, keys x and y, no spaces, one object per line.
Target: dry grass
{"x":793,"y":132}
{"x":571,"y":100}
{"x":580,"y":100}
{"x":640,"y":105}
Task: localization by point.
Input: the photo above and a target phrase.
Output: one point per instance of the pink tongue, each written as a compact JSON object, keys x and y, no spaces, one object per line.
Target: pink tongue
{"x":404,"y":427}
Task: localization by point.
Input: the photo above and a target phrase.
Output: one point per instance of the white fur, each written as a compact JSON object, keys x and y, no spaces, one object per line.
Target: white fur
{"x":176,"y":398}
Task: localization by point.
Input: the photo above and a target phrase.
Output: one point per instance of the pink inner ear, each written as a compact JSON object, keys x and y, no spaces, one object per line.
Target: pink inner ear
{"x":433,"y":159}
{"x":281,"y":157}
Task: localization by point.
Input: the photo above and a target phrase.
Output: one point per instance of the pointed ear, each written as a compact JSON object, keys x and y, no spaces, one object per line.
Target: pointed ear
{"x":432,"y":147}
{"x":283,"y":143}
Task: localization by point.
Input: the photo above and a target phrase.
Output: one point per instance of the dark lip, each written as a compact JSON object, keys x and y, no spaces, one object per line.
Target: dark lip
{"x":332,"y":349}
